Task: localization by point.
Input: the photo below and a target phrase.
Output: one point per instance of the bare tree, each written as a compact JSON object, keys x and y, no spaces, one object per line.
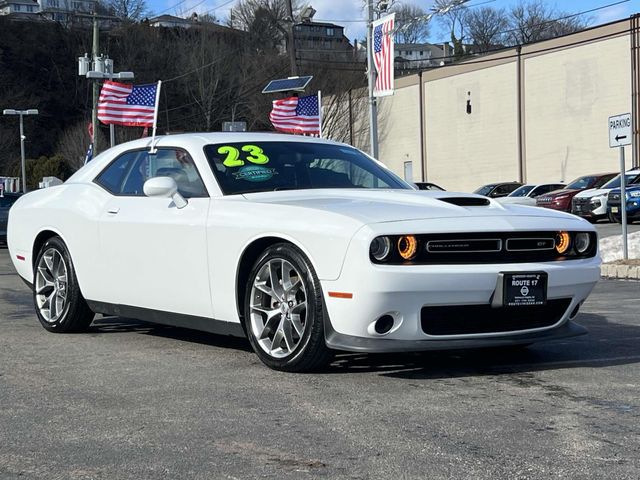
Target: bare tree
{"x":534,"y":21}
{"x":74,"y":142}
{"x":486,"y":27}
{"x":130,"y":10}
{"x":454,"y":22}
{"x":411,"y":26}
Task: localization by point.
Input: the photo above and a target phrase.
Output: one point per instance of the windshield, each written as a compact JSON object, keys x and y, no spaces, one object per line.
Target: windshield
{"x":267,"y":166}
{"x":615,"y":182}
{"x":582,"y":183}
{"x":523,"y":191}
{"x":484,"y":190}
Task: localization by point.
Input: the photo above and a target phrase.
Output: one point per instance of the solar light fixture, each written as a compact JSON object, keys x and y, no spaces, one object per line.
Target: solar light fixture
{"x":295,"y":84}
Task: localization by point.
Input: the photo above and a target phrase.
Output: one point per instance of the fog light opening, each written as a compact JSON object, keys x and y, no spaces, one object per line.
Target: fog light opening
{"x":575,"y":311}
{"x":384,"y":324}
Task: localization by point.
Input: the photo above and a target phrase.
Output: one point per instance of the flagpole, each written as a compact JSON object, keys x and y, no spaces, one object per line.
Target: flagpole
{"x":320,"y":110}
{"x":155,"y":118}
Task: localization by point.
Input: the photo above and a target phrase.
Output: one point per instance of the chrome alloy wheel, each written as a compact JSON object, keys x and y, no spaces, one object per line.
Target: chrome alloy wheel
{"x":51,"y":286}
{"x":278,"y":308}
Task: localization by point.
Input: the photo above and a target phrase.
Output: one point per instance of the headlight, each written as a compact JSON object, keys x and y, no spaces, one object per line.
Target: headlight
{"x":380,"y":248}
{"x":582,"y":242}
{"x":408,"y":246}
{"x":597,"y":200}
{"x":563,"y":241}
{"x":635,"y":193}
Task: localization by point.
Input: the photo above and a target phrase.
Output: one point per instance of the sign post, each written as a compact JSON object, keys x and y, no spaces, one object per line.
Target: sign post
{"x":619,"y":136}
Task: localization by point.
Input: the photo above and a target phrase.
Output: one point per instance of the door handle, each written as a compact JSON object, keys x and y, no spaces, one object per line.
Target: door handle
{"x":113,"y":210}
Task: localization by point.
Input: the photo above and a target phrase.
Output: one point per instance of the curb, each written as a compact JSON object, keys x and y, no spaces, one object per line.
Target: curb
{"x":623,"y":272}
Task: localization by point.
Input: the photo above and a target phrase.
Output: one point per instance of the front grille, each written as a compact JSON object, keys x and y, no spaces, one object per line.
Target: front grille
{"x":614,"y":198}
{"x":485,"y":248}
{"x":473,"y":319}
{"x":543,"y":200}
{"x":582,"y":205}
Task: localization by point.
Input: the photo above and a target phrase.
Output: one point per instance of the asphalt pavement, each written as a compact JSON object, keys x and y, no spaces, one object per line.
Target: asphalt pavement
{"x":133,"y":401}
{"x":609,"y":229}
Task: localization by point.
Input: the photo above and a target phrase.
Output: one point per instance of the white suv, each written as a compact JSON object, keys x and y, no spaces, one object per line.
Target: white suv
{"x":592,"y":203}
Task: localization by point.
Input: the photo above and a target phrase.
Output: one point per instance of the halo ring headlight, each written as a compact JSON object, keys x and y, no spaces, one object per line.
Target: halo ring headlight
{"x":380,"y":248}
{"x":582,"y":242}
{"x":408,"y":247}
{"x":563,"y":242}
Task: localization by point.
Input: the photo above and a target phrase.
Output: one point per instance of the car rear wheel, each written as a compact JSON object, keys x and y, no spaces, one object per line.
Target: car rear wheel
{"x":59,"y":304}
{"x":284,"y":311}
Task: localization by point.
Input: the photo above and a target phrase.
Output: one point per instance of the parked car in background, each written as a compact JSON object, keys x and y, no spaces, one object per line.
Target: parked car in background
{"x":496,"y":190}
{"x":633,"y":203}
{"x":6,"y":201}
{"x":429,"y":186}
{"x":592,"y":203}
{"x":561,"y":199}
{"x":527,"y":194}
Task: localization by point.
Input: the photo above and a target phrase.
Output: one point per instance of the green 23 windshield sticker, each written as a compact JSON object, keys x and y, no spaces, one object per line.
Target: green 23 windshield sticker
{"x":256,"y":155}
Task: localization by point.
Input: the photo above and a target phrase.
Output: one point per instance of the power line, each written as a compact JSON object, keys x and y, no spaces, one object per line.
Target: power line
{"x":413,"y":18}
{"x":551,"y":21}
{"x":240,"y":96}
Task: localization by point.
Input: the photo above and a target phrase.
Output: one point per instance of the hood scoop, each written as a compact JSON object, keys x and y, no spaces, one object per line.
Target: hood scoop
{"x":466,"y":201}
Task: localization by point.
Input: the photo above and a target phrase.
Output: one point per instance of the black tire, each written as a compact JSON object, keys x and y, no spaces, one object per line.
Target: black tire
{"x":74,"y":315}
{"x":310,"y":352}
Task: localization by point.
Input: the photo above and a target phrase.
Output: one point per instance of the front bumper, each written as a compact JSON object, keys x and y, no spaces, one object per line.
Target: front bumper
{"x":402,"y":291}
{"x":584,"y":208}
{"x":349,"y":343}
{"x":633,"y":209}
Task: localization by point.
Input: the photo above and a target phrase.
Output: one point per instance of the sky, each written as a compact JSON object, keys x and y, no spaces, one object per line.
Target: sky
{"x":350,"y":12}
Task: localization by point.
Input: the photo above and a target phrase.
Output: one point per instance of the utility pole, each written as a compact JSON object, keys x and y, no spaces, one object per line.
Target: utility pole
{"x":95,"y":69}
{"x":373,"y":106}
{"x":95,"y":53}
{"x":291,"y":41}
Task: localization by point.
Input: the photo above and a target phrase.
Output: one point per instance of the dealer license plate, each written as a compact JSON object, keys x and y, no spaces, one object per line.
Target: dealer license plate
{"x":614,"y":209}
{"x":525,"y":289}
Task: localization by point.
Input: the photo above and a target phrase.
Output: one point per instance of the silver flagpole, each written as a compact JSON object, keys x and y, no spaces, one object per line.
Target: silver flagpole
{"x":155,"y":118}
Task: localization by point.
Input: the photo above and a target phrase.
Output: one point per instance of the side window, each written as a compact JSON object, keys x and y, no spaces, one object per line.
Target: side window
{"x":336,"y":173}
{"x":126,"y":176}
{"x":536,"y":192}
{"x":112,"y":178}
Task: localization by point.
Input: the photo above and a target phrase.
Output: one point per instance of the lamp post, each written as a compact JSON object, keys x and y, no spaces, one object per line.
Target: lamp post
{"x":21,"y":113}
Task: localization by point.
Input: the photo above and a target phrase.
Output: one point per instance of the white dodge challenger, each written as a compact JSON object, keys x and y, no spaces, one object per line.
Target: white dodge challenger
{"x":304,"y":246}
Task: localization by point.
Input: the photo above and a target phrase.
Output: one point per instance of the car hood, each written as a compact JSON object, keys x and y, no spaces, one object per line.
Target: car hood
{"x":593,"y":192}
{"x":562,"y":192}
{"x":376,"y":206}
{"x":628,"y":188}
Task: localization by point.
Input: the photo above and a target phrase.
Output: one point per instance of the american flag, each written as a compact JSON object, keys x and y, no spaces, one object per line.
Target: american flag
{"x":383,"y":55}
{"x":129,"y":105}
{"x":296,"y":115}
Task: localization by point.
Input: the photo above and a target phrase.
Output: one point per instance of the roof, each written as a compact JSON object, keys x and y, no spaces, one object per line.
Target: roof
{"x":20,"y":2}
{"x":168,"y":18}
{"x":319,"y":24}
{"x":195,"y":141}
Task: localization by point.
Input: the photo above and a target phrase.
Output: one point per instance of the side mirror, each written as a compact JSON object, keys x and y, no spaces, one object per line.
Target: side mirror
{"x":164,"y":187}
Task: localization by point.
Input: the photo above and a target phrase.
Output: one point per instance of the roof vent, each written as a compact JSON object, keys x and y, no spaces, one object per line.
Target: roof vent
{"x":466,"y":201}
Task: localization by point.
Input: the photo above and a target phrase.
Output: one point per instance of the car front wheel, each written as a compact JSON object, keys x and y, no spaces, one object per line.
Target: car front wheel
{"x":284,"y":311}
{"x":59,"y":304}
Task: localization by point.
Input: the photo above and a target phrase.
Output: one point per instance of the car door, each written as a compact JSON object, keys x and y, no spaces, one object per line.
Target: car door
{"x":153,"y":254}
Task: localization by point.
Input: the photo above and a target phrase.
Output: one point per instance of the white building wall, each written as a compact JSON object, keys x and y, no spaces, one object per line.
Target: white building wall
{"x":569,"y":95}
{"x":399,"y":130}
{"x":465,"y":151}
